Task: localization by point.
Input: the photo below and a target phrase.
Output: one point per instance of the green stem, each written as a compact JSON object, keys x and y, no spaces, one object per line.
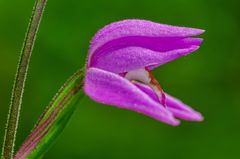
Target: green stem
{"x":19,"y":83}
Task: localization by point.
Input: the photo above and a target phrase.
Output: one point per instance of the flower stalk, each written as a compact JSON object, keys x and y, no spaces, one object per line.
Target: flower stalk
{"x":20,"y":78}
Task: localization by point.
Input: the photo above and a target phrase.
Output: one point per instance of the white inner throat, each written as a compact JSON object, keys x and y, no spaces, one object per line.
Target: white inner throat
{"x":138,"y":74}
{"x":144,"y":76}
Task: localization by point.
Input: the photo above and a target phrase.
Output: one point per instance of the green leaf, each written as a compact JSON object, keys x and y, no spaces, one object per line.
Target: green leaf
{"x":52,"y":122}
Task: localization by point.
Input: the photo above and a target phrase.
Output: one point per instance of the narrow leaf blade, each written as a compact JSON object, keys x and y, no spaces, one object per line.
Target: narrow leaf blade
{"x":52,"y":122}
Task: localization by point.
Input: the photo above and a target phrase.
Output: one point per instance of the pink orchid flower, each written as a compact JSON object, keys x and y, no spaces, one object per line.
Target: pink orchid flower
{"x":120,"y":59}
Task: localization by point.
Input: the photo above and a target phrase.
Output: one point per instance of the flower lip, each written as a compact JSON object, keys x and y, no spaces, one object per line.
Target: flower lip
{"x":177,"y":107}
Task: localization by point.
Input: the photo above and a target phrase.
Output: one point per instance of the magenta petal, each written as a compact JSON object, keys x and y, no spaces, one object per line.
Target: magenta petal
{"x":140,"y":28}
{"x":109,"y":88}
{"x":131,"y":58}
{"x":161,"y":45}
{"x":181,"y":110}
{"x":178,"y":108}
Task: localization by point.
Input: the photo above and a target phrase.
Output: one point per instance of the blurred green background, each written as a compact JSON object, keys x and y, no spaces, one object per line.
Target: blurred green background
{"x":208,"y":80}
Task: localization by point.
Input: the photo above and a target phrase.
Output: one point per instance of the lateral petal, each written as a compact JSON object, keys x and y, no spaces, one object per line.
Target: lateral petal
{"x":161,"y":45}
{"x":130,"y":58}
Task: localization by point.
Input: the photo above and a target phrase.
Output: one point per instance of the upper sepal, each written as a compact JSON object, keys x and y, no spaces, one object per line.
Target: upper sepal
{"x":116,"y":38}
